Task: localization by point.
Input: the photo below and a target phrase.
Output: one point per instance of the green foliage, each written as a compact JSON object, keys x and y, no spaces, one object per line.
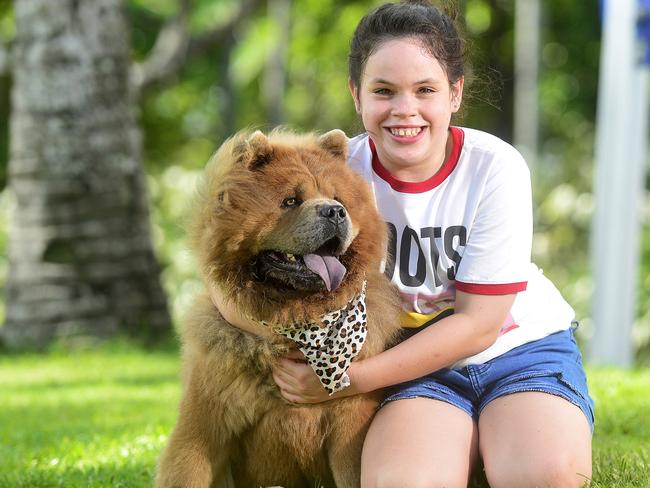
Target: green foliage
{"x":96,"y":417}
{"x":171,"y":195}
{"x":563,"y":173}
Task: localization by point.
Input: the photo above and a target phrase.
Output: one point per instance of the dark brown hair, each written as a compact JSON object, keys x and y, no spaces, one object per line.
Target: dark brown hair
{"x":420,"y":20}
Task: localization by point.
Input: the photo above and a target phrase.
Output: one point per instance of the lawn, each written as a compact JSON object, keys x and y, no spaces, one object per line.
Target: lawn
{"x":99,"y":418}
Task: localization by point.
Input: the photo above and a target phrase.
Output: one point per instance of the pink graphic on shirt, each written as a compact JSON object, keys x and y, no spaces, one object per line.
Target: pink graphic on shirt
{"x":428,"y":304}
{"x":508,"y":325}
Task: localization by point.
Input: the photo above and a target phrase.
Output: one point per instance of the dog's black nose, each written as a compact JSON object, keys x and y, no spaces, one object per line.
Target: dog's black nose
{"x":335,"y":213}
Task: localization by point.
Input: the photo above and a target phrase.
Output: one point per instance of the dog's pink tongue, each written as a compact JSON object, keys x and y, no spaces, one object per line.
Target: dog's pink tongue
{"x":328,"y":268}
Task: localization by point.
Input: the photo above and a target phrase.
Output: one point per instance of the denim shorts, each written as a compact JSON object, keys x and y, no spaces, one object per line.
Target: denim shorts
{"x":551,"y":365}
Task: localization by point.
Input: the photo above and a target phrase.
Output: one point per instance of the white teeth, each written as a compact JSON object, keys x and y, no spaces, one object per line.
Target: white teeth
{"x":291,"y":257}
{"x":410,"y":132}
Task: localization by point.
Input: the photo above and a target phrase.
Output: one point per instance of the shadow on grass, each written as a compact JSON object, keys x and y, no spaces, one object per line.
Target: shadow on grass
{"x":166,"y":343}
{"x":50,"y":385}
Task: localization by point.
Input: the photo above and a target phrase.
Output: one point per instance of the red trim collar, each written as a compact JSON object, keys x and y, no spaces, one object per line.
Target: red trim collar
{"x":458,"y":137}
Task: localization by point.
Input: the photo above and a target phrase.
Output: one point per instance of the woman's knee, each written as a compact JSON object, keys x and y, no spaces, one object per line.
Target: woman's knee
{"x":425,"y":477}
{"x":565,"y":472}
{"x":535,"y":439}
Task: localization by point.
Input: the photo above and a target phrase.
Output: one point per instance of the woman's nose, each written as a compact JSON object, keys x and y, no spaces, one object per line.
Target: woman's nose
{"x":404,"y":106}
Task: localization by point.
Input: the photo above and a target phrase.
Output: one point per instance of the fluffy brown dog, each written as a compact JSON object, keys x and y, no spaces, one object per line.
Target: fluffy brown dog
{"x":289,"y":233}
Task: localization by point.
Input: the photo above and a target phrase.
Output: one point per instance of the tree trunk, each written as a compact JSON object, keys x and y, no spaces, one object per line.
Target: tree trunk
{"x":80,"y":253}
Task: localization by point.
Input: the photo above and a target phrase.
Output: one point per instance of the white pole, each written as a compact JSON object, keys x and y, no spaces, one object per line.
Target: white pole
{"x":527,"y":27}
{"x":621,"y":149}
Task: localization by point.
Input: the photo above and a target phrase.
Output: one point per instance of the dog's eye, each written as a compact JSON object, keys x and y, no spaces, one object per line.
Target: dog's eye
{"x":291,"y":202}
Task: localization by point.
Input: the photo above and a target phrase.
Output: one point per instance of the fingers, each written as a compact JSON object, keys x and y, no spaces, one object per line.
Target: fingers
{"x":284,"y":381}
{"x":291,"y":398}
{"x":297,"y":382}
{"x":290,"y":374}
{"x":296,"y":355}
{"x":301,"y":371}
{"x":288,"y":389}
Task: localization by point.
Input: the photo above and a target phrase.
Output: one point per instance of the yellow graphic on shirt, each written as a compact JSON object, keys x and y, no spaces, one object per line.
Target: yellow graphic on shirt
{"x":413,"y":320}
{"x":419,"y":310}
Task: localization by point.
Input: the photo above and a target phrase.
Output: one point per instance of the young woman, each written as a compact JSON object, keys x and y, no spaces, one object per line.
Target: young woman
{"x":491,"y":368}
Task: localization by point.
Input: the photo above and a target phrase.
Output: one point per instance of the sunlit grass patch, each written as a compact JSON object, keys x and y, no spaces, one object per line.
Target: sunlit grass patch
{"x":622,"y":433}
{"x":85,"y":418}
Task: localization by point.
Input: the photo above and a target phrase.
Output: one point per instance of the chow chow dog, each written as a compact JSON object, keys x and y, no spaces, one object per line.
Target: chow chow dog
{"x":289,"y":234}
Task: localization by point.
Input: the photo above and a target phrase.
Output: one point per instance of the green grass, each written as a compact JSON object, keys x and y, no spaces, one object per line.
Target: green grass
{"x":99,"y":418}
{"x":86,"y":419}
{"x":622,"y":434}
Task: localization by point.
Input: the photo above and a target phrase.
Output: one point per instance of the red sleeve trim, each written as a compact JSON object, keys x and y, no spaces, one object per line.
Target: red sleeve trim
{"x":502,"y":289}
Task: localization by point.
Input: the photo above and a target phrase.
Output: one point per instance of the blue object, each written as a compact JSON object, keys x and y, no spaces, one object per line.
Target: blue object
{"x":643,"y":28}
{"x":642,"y":25}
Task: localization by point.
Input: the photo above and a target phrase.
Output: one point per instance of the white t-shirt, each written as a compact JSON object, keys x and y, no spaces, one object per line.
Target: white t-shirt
{"x":468,"y":227}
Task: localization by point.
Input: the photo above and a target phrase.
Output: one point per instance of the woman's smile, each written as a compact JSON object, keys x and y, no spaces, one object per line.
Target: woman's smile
{"x":406,"y":134}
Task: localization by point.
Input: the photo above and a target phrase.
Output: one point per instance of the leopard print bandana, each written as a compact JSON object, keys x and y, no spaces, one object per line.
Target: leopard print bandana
{"x":331,"y":345}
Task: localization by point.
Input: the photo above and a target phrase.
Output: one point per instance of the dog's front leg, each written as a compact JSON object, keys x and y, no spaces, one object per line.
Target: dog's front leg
{"x":197,"y":454}
{"x":185,"y":465}
{"x":190,"y":460}
{"x":350,"y":421}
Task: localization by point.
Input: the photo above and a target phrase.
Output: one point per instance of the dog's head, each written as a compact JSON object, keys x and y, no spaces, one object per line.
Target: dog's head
{"x":282,"y":219}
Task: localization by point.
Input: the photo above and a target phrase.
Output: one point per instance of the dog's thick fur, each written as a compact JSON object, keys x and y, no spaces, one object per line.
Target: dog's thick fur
{"x":233,"y":425}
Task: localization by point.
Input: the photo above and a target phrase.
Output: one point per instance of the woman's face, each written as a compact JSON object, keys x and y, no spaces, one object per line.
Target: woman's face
{"x":406,"y":102}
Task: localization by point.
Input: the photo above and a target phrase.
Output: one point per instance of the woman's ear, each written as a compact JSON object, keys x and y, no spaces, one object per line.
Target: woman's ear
{"x":355,"y":95}
{"x":456,"y":89}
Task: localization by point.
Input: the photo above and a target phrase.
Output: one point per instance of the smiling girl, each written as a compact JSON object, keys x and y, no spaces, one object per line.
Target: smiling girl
{"x":490,"y":368}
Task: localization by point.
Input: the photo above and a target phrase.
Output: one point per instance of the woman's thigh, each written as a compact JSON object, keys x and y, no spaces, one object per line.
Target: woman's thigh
{"x":419,"y":442}
{"x":534,"y":439}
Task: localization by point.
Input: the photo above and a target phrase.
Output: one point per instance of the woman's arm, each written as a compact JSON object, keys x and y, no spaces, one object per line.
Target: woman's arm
{"x":232,"y":315}
{"x":471,"y":329}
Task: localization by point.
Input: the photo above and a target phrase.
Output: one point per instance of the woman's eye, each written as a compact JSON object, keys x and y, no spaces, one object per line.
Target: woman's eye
{"x":382,"y":91}
{"x":291,"y":202}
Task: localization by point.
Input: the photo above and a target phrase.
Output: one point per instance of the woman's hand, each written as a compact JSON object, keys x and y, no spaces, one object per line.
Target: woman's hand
{"x":298,"y":382}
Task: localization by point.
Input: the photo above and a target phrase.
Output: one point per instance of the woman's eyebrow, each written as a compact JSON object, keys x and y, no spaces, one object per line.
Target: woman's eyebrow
{"x":381,"y":81}
{"x":427,"y":81}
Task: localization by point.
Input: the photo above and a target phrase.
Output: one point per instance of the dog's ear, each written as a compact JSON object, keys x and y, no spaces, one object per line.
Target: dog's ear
{"x":254,"y":152}
{"x":335,"y":142}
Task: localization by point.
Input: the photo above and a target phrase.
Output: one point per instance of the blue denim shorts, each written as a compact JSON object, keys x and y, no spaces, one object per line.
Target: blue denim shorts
{"x":550,"y":365}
